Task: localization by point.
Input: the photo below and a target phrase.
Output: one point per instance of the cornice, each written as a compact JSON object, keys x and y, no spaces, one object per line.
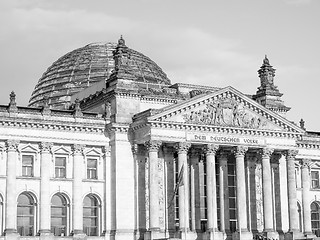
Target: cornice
{"x":219,"y":129}
{"x":52,"y":125}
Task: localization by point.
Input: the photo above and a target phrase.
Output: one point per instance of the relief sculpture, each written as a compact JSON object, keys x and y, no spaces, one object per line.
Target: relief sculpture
{"x":225,"y":112}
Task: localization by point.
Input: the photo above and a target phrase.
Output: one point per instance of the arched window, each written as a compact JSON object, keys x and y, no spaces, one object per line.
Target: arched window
{"x":91,"y":215}
{"x":59,"y":215}
{"x":26,"y":214}
{"x":315,"y":218}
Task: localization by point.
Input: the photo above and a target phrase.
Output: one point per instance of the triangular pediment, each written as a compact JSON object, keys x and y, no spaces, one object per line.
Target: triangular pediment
{"x":225,"y":108}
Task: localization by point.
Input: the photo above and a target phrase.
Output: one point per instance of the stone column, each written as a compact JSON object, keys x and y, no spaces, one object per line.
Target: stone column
{"x":306,"y":197}
{"x":242,"y":231}
{"x":11,"y":197}
{"x":77,"y":190}
{"x":182,"y":149}
{"x":45,"y":203}
{"x":194,"y":185}
{"x":223,"y":158}
{"x":267,"y":192}
{"x":210,"y":151}
{"x":153,"y":148}
{"x":292,"y":191}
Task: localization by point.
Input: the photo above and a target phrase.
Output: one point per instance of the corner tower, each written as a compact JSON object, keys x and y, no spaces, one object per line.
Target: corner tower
{"x":268,"y":94}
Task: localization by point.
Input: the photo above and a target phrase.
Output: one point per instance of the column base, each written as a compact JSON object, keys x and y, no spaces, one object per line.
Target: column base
{"x":11,"y":234}
{"x":294,"y":235}
{"x":188,"y":235}
{"x":242,"y":235}
{"x":270,"y":234}
{"x":46,"y":234}
{"x":215,"y":235}
{"x":154,"y":234}
{"x":109,"y":234}
{"x":79,"y":235}
{"x":309,"y":235}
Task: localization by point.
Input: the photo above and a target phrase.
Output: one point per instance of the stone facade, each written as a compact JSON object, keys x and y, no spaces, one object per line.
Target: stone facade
{"x":153,"y":160}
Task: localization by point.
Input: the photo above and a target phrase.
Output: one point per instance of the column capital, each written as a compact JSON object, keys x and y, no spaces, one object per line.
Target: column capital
{"x":306,"y":163}
{"x":77,"y":149}
{"x":45,"y":147}
{"x":12,"y":145}
{"x":223,"y":155}
{"x":266,"y":152}
{"x":291,"y":154}
{"x":153,"y":145}
{"x":240,"y":151}
{"x":211,"y":149}
{"x":182,"y":147}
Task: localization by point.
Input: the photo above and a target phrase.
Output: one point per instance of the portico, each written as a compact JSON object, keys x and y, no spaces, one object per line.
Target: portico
{"x":219,"y":182}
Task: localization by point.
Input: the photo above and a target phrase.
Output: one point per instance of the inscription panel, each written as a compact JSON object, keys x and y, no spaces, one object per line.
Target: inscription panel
{"x":227,"y":140}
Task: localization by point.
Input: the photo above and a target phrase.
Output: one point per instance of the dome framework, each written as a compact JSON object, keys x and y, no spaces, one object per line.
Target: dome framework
{"x":86,"y":66}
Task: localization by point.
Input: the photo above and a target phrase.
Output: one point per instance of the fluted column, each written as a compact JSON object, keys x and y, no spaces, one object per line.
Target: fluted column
{"x":194,"y":186}
{"x":267,"y":189}
{"x":153,"y":148}
{"x":242,"y":225}
{"x":210,"y":151}
{"x":45,"y":210}
{"x":77,"y":190}
{"x":292,"y":191}
{"x":11,"y":198}
{"x":306,"y":196}
{"x":223,"y":158}
{"x":182,"y":149}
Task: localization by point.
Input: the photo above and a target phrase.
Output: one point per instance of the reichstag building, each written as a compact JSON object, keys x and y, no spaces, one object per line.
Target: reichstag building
{"x":110,"y":148}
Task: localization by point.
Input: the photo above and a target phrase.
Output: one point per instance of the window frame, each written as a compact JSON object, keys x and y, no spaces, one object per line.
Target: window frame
{"x":96,"y":217}
{"x":28,"y":166}
{"x":60,"y":168}
{"x":32,"y":217}
{"x":64,"y":207}
{"x":317,"y":180}
{"x":90,"y":170}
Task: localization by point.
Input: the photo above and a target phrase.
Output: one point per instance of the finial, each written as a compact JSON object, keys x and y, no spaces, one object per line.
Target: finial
{"x":302,"y":124}
{"x":12,"y":103}
{"x":12,"y":98}
{"x":266,"y":60}
{"x":77,"y":109}
{"x":121,"y":41}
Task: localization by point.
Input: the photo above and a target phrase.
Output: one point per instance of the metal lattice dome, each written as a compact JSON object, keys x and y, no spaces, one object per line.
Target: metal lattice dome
{"x":85,"y":66}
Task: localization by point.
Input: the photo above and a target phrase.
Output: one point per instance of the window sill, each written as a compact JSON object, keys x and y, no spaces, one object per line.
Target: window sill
{"x":93,"y":180}
{"x":30,"y":178}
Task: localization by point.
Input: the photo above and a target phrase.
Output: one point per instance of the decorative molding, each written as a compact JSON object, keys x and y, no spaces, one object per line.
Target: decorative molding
{"x":266,"y":152}
{"x":239,"y":151}
{"x":153,"y":145}
{"x":291,"y":154}
{"x":306,"y":163}
{"x":45,"y":147}
{"x":182,"y":147}
{"x":77,"y":149}
{"x":12,"y":145}
{"x":211,"y":149}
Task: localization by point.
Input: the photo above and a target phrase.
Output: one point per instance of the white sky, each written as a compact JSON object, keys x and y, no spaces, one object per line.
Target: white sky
{"x":208,"y":42}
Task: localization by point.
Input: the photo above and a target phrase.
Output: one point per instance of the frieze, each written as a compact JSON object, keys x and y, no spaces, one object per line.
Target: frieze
{"x":225,"y":112}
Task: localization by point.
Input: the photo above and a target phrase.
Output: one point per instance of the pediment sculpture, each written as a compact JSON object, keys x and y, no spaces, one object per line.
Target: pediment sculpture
{"x":225,"y":112}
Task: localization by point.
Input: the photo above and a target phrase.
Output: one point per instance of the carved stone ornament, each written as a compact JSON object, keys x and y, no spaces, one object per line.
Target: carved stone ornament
{"x":266,"y":152}
{"x":182,"y":147}
{"x":153,"y":145}
{"x":211,"y":149}
{"x":291,"y":154}
{"x":225,"y":112}
{"x":12,"y":145}
{"x":45,"y":147}
{"x":78,"y":149}
{"x":306,"y":163}
{"x":240,"y":151}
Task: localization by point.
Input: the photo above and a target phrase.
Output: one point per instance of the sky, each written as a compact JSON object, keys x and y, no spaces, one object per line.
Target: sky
{"x":208,"y":42}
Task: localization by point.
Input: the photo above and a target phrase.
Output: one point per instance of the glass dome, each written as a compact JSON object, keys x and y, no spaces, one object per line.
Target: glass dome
{"x":85,"y":66}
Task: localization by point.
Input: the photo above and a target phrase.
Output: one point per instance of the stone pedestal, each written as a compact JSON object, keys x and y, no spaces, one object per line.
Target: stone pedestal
{"x":79,"y":236}
{"x":294,"y":235}
{"x":11,"y":235}
{"x":271,"y":235}
{"x":46,"y":235}
{"x":242,"y":235}
{"x":215,"y":235}
{"x":154,"y":234}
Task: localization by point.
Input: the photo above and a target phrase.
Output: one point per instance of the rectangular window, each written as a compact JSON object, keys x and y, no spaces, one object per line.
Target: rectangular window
{"x":60,"y":167}
{"x":92,"y":168}
{"x":314,"y":179}
{"x":27,"y":165}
